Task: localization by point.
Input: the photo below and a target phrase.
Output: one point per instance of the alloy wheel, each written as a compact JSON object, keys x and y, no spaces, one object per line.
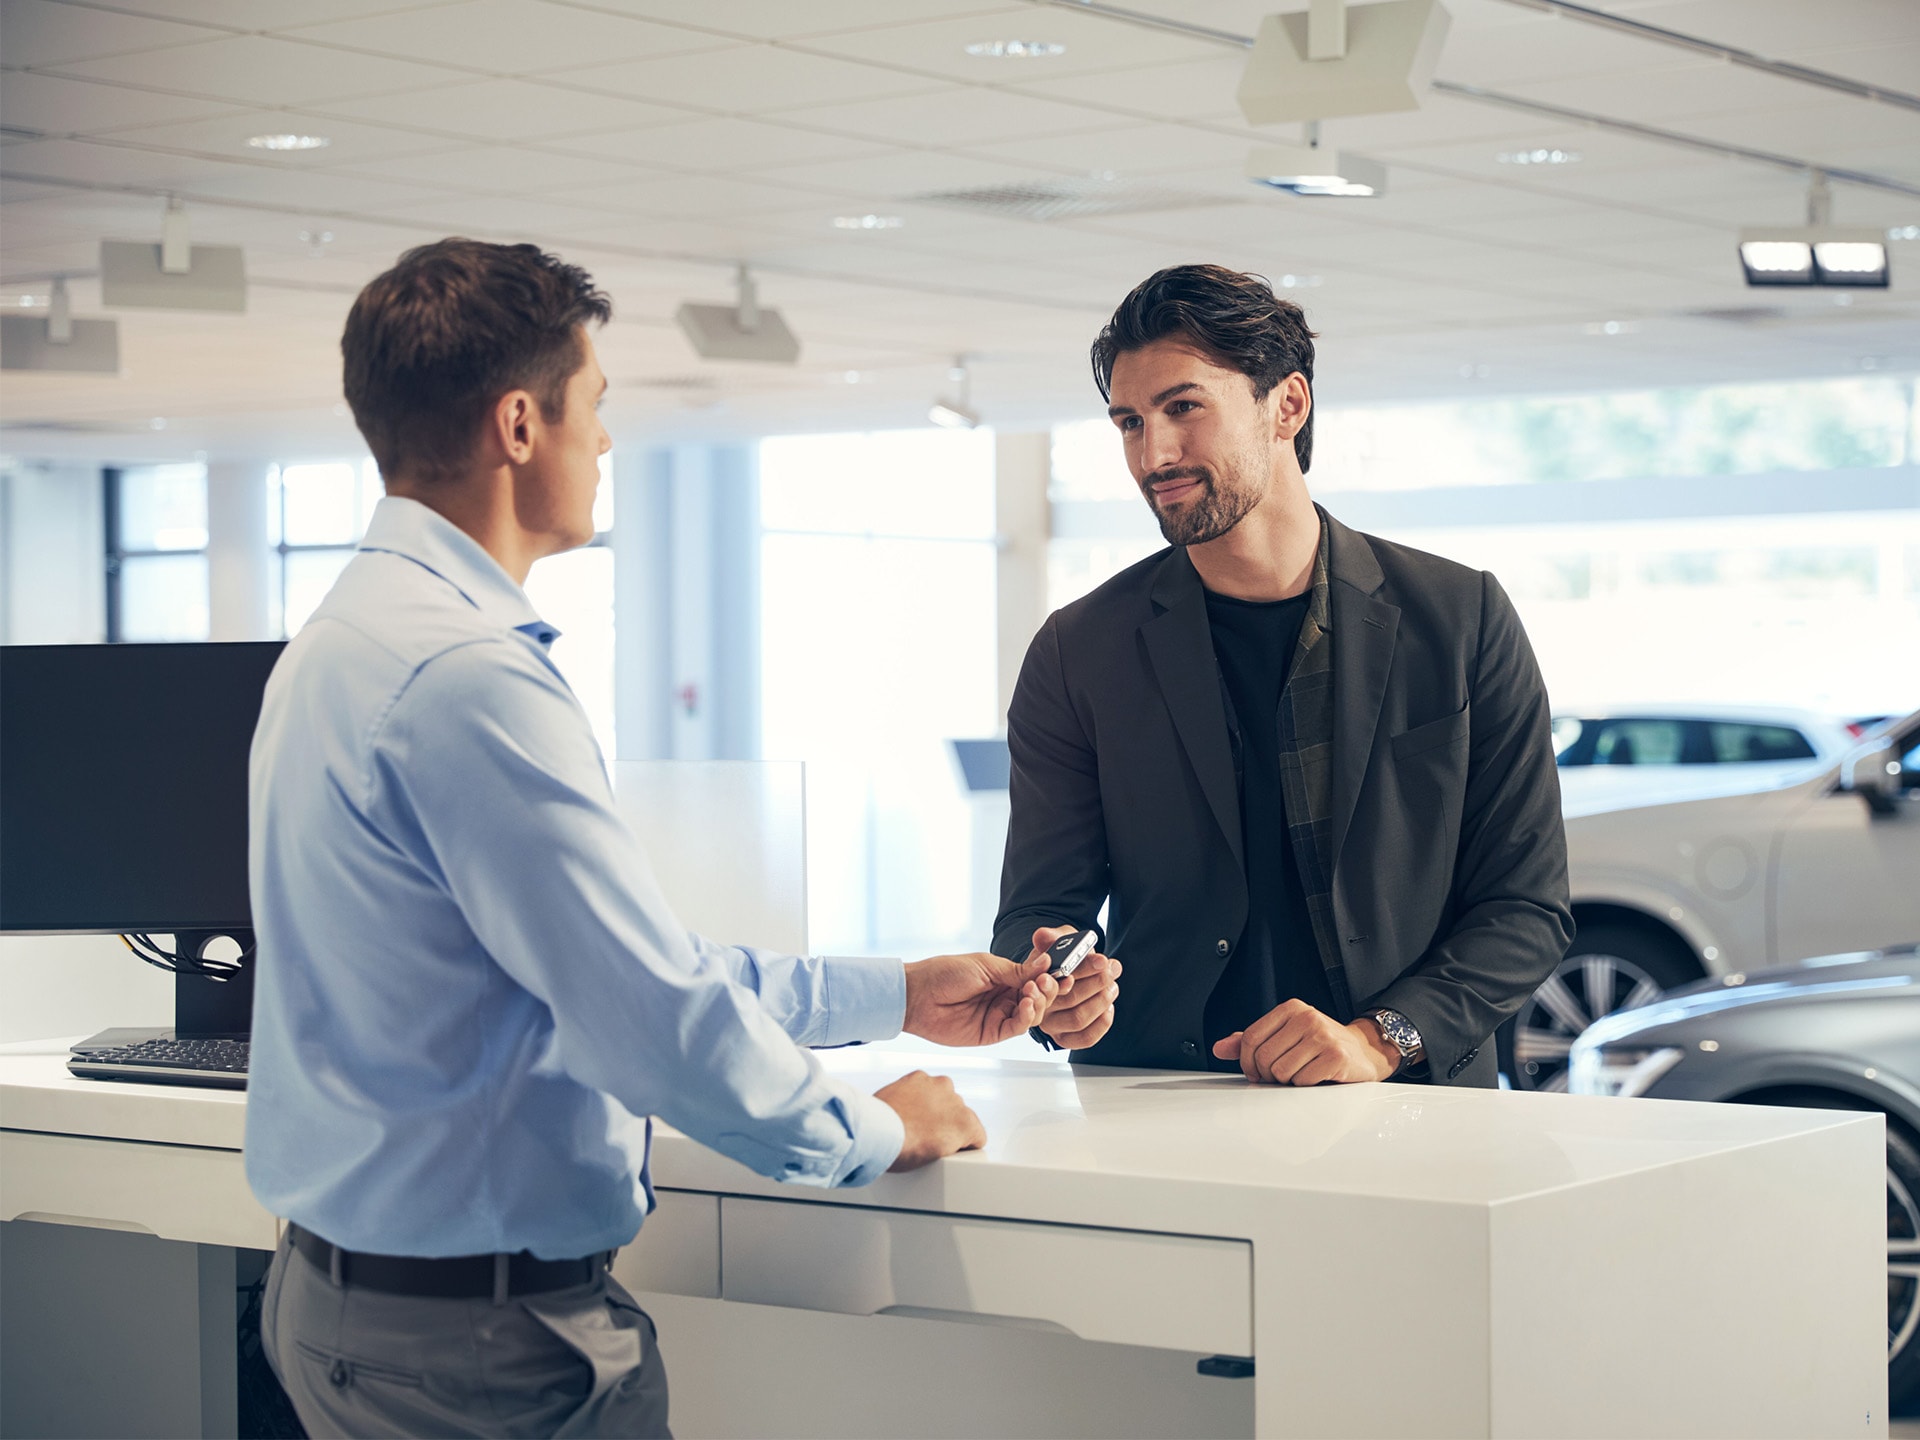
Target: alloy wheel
{"x":1582,"y":990}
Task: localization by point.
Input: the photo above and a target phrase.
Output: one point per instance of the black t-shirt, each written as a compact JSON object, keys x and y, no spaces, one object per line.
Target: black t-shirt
{"x":1276,"y":958}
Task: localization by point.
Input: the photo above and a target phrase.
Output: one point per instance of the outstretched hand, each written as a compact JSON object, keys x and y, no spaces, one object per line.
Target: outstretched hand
{"x":976,"y":999}
{"x":1083,"y":1010}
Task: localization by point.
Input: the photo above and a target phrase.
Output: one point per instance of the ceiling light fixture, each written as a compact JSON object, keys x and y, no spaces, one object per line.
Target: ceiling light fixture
{"x":1538,"y":157}
{"x":59,"y":342}
{"x":1299,"y":282}
{"x":867,"y":222}
{"x":289,"y":142}
{"x":1334,"y":60}
{"x":1309,"y":170}
{"x":956,"y":412}
{"x":175,"y":274}
{"x":1016,"y":49}
{"x":1904,"y":232}
{"x":741,"y":331}
{"x":1817,"y":253}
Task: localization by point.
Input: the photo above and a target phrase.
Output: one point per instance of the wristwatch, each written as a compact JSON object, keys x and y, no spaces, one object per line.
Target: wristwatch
{"x":1397,"y":1028}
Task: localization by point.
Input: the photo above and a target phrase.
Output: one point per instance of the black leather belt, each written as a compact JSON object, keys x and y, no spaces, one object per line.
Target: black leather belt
{"x":457,"y":1277}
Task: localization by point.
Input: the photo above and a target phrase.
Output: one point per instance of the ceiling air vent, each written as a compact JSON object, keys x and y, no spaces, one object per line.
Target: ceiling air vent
{"x":1742,"y":314}
{"x":1071,"y":198}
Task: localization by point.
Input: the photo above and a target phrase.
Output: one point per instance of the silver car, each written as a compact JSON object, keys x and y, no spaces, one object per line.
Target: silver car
{"x":1839,"y":1033}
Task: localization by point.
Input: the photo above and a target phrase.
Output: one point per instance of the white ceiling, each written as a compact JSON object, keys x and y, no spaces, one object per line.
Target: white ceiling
{"x":659,"y":142}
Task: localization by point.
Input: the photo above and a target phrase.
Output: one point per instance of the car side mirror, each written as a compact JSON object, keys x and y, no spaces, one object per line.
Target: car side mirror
{"x":1873,"y":773}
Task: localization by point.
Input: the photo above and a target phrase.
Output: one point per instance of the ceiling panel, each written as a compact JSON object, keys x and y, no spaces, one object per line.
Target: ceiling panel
{"x":500,"y":169}
{"x":99,"y":163}
{"x":509,"y":37}
{"x":690,"y":197}
{"x":251,"y":16}
{"x":898,"y":174}
{"x":940,"y":46}
{"x":956,"y":115}
{"x":38,"y":32}
{"x":785,"y":20}
{"x":750,"y":80}
{"x":1189,"y":90}
{"x":506,"y":110}
{"x":67,"y":107}
{"x":725,"y":144}
{"x":258,"y":70}
{"x":226,"y":136}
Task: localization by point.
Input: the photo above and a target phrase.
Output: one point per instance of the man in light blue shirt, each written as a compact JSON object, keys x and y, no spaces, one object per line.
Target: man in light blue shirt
{"x":471,"y":992}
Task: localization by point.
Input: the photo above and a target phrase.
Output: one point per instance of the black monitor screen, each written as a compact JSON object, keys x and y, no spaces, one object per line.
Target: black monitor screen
{"x":123,"y":785}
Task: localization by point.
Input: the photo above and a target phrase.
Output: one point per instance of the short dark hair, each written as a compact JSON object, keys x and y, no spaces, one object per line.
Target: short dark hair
{"x":1231,"y":317}
{"x":435,"y":341}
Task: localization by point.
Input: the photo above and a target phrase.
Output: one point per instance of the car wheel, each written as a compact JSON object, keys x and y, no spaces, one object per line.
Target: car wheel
{"x":1903,"y":1272}
{"x":1609,"y":967}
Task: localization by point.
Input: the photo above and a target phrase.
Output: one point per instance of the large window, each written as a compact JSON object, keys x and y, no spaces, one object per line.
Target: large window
{"x":318,"y":512}
{"x":877,"y":643}
{"x":1798,"y":609}
{"x":156,"y":520}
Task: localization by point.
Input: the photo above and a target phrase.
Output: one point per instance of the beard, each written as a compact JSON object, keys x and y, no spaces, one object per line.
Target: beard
{"x":1206,"y":515}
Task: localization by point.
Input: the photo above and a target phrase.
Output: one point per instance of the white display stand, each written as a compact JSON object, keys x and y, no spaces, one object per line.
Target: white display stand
{"x":1394,"y":1260}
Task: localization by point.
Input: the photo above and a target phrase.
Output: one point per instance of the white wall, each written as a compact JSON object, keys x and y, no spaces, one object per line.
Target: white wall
{"x":72,"y":985}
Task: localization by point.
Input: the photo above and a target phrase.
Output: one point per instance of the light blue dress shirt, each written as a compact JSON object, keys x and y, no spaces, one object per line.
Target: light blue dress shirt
{"x":469,"y":986}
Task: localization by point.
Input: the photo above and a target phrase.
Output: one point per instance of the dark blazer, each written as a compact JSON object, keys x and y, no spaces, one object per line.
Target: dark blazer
{"x":1450,"y":860}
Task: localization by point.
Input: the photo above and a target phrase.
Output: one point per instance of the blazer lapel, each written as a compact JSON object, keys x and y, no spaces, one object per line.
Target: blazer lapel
{"x":1180,"y":647}
{"x":1364,"y":627}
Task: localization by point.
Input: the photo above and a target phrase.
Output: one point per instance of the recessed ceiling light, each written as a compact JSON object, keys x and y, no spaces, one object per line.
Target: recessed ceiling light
{"x":1299,"y":282}
{"x":1538,"y":157}
{"x":1016,"y":49}
{"x":1611,"y":327}
{"x":867,"y":222}
{"x":1904,"y":232}
{"x":289,"y":142}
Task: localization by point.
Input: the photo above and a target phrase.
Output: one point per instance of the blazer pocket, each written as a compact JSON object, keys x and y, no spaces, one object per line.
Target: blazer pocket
{"x":1431,"y":736}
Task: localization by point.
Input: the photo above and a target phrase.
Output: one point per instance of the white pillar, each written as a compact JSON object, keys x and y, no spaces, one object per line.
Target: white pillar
{"x":1022,"y":466}
{"x":239,"y":564}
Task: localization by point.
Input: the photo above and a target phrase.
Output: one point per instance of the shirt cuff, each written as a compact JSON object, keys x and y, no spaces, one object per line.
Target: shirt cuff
{"x":878,"y":1135}
{"x":866,"y":1000}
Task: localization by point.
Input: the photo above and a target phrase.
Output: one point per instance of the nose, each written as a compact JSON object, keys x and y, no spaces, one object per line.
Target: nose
{"x":1159,"y":445}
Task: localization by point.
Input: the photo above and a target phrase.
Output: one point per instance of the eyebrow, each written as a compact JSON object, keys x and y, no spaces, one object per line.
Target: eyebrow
{"x":1160,"y":399}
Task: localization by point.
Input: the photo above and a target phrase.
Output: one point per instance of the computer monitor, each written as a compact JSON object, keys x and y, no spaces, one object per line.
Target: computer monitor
{"x":123,"y":801}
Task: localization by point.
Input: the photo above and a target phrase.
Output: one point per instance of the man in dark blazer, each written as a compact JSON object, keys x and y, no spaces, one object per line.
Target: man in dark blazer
{"x":1308,"y":770}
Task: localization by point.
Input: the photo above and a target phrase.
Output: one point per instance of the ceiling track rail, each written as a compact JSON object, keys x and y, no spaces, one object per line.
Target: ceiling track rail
{"x":1732,"y":54}
{"x":1675,"y":137}
{"x":1696,"y":143}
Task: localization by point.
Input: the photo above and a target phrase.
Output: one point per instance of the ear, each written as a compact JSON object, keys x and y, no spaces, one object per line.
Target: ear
{"x":1292,"y":403}
{"x":510,"y":426}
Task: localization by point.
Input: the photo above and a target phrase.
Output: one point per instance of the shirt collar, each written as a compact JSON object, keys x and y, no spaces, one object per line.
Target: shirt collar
{"x":401,"y":526}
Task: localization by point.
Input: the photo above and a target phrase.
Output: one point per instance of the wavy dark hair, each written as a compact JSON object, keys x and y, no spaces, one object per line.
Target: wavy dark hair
{"x":1231,"y":317}
{"x":433,"y":343}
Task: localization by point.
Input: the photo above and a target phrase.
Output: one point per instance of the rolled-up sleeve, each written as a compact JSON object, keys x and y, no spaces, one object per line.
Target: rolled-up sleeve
{"x":487,"y":756}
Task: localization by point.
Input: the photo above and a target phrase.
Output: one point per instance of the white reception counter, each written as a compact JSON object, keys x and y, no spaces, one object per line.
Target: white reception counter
{"x":1391,"y":1260}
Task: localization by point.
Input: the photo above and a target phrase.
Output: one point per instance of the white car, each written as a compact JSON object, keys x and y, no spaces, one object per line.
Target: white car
{"x":1623,"y":755}
{"x":1702,"y":882}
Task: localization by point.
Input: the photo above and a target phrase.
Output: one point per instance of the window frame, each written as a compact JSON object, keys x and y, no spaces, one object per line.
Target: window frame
{"x":115,"y":555}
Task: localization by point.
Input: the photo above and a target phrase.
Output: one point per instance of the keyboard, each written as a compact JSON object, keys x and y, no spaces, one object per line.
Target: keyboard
{"x":218,"y":1060}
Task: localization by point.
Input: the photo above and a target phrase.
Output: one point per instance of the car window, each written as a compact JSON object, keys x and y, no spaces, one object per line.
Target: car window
{"x":1737,"y":744}
{"x":1639,"y":742}
{"x":1566,"y":735}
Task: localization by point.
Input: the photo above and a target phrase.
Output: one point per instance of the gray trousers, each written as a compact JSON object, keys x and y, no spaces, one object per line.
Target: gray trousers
{"x":359,"y":1363}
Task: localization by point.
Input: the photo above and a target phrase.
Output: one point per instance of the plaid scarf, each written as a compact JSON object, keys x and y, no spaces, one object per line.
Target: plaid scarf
{"x":1306,"y":769}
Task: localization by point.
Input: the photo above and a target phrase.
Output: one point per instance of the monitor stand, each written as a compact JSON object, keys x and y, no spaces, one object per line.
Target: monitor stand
{"x":202,"y":1007}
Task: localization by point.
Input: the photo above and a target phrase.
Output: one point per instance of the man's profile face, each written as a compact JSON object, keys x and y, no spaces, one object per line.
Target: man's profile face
{"x":1197,"y":442}
{"x":568,"y":459}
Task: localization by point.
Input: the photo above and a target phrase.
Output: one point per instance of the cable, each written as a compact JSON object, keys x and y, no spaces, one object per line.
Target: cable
{"x":174,"y":963}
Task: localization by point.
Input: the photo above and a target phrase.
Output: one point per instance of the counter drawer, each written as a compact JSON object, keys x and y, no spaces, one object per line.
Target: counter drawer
{"x":1175,"y":1292}
{"x":677,"y":1251}
{"x":178,"y":1192}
